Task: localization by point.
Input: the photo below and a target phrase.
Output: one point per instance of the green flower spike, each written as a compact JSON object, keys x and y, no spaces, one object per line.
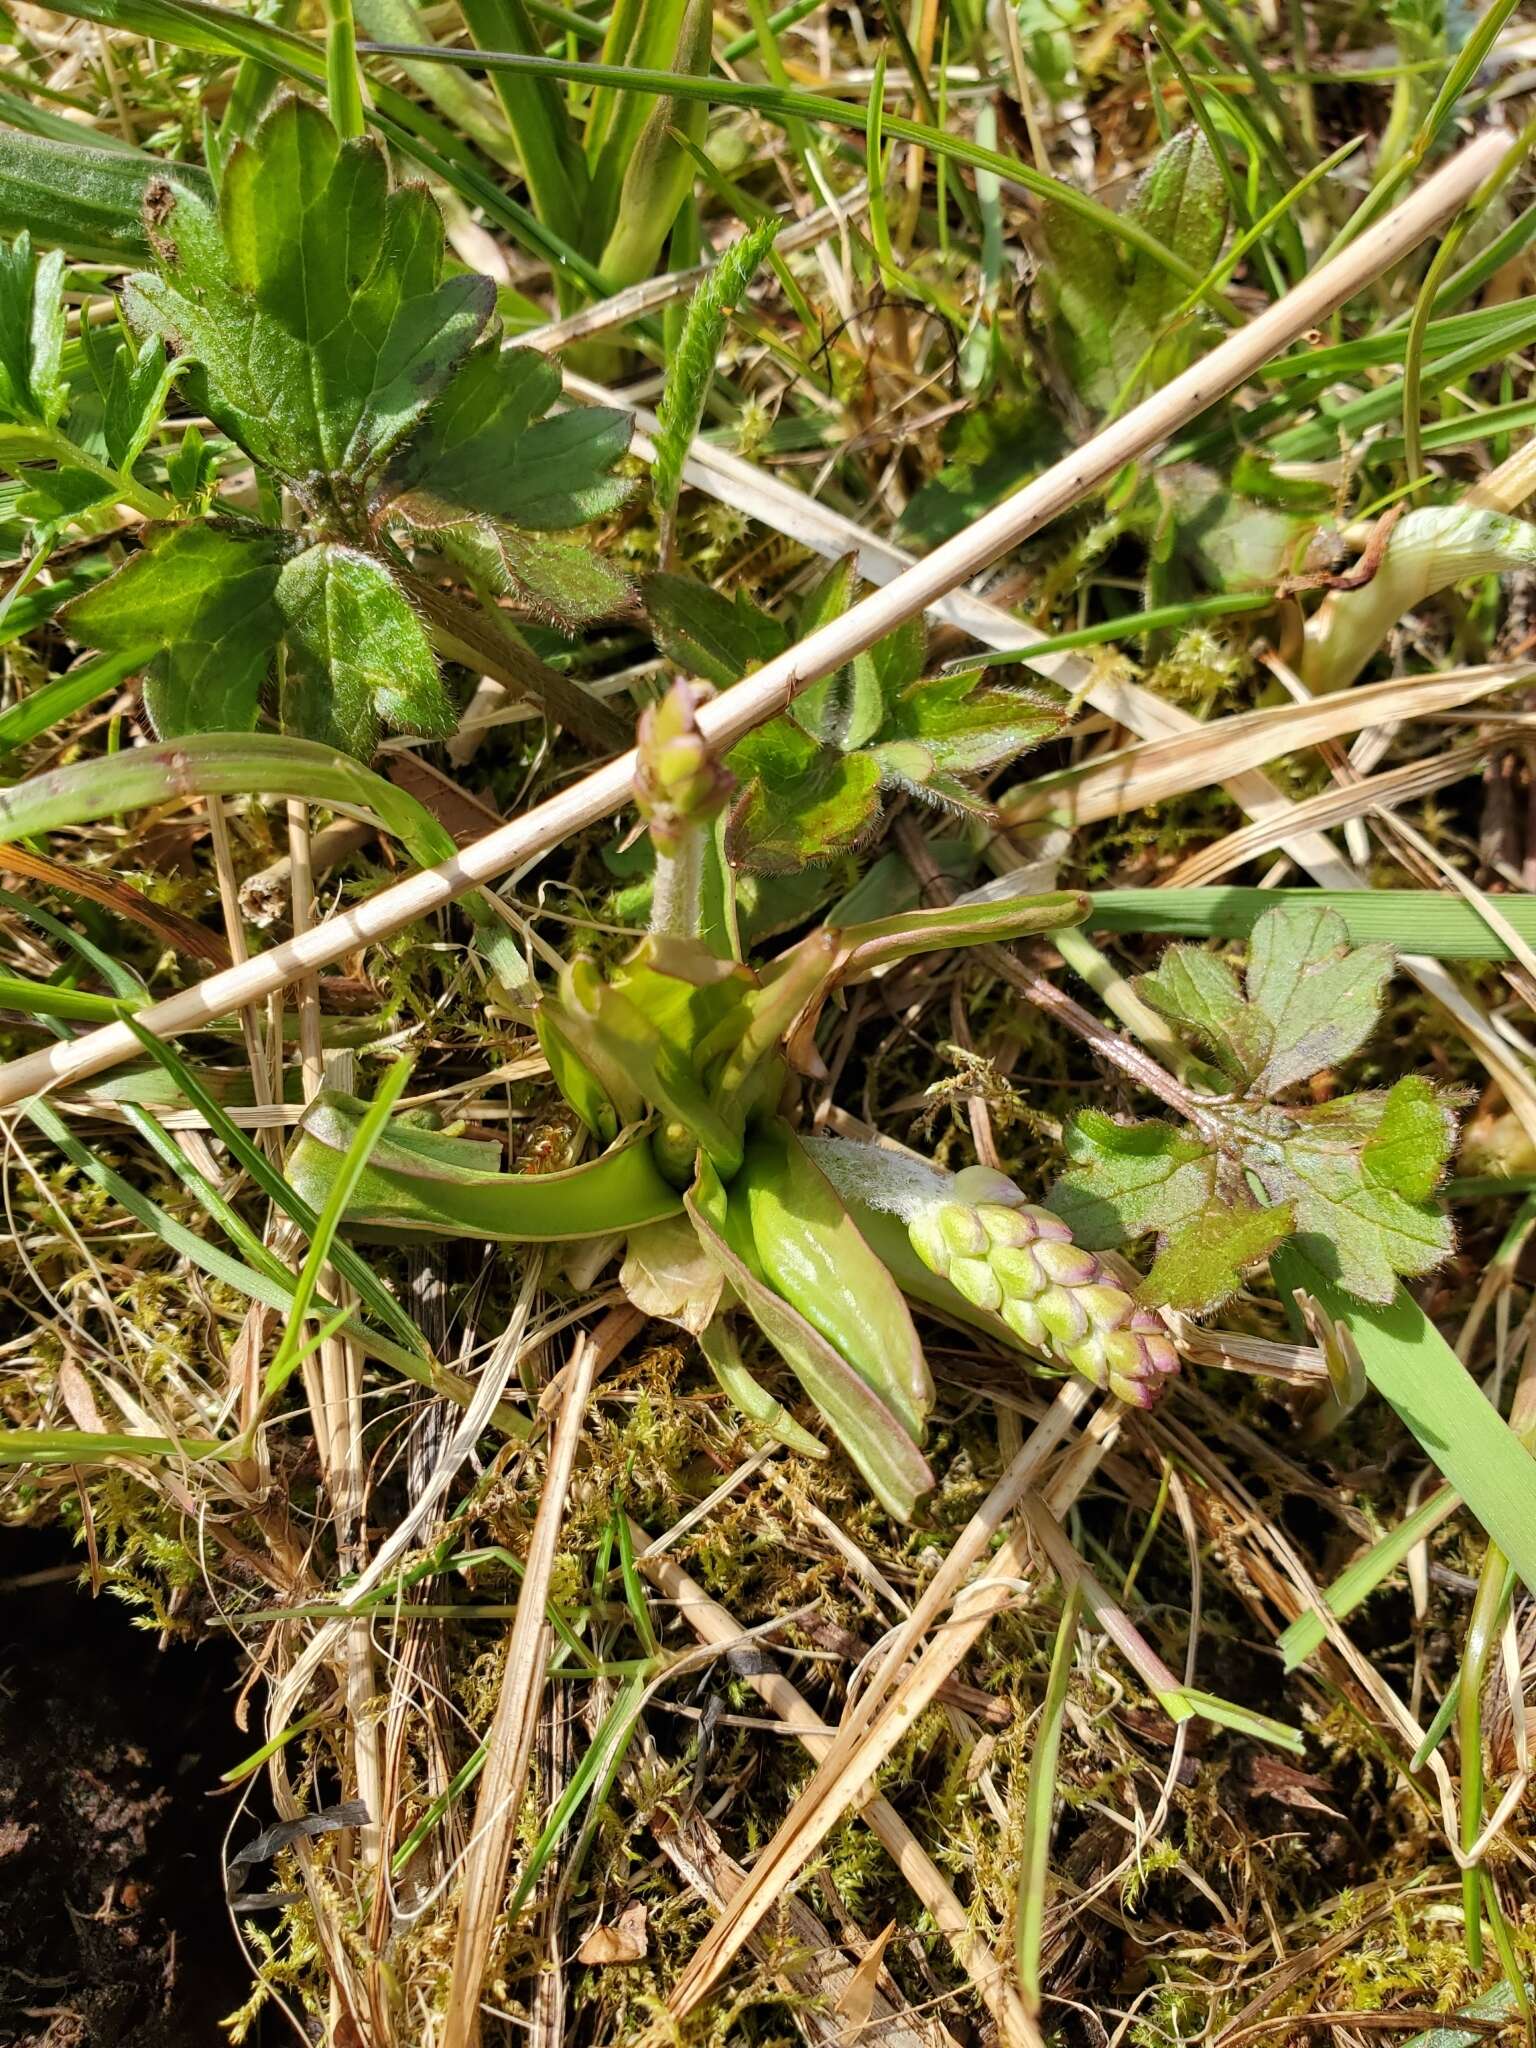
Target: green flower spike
{"x":1016,"y":1261}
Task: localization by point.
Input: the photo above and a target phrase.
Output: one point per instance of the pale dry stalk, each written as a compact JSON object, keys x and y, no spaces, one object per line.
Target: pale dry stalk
{"x":712,"y":1623}
{"x":766,"y":692}
{"x":864,"y":1744}
{"x":509,"y":1742}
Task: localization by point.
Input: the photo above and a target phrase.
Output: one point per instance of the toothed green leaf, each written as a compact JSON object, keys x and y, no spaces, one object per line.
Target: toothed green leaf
{"x":1205,"y":1259}
{"x":313,"y":299}
{"x":800,"y":802}
{"x":359,"y":658}
{"x":706,"y":634}
{"x":201,"y":603}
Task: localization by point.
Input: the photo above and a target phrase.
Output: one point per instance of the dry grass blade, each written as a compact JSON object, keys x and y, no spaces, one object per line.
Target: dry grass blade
{"x":878,"y":1722}
{"x":1154,"y":770}
{"x":1330,"y":807}
{"x":822,"y":653}
{"x":713,"y":1624}
{"x":509,"y":1741}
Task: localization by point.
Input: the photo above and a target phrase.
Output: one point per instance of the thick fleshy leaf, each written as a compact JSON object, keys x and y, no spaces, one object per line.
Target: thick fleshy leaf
{"x":810,"y":1251}
{"x":312,"y":298}
{"x":422,"y":1184}
{"x":359,"y":657}
{"x":201,"y":600}
{"x":866,"y":1428}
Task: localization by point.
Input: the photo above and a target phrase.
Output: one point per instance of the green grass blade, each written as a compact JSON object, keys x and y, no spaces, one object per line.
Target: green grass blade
{"x":1417,"y":1373}
{"x":279,"y":1190}
{"x":1415,"y":920}
{"x":348,"y":1173}
{"x":1364,"y":1574}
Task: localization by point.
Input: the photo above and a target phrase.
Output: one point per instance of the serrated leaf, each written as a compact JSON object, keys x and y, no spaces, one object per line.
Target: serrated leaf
{"x":559,"y":474}
{"x":1310,"y":1000}
{"x":1352,"y":1223}
{"x":1321,"y":998}
{"x":1126,"y":1179}
{"x":463,"y":451}
{"x":1411,"y":1144}
{"x":133,"y":383}
{"x":563,"y":582}
{"x":1200,"y":992}
{"x":800,"y":801}
{"x":32,"y":386}
{"x":202,"y":601}
{"x":1204,"y":1259}
{"x":359,"y":657}
{"x":965,"y":729}
{"x":707,"y":634}
{"x":312,"y":298}
{"x":845,"y":709}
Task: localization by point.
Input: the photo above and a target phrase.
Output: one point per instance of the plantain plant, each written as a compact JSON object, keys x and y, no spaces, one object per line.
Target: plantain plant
{"x":306,"y":309}
{"x":684,"y":1060}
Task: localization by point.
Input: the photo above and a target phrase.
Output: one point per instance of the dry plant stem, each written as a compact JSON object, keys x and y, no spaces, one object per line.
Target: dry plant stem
{"x":340,"y":1389}
{"x":850,"y":1766}
{"x":509,"y":1742}
{"x":712,"y":1623}
{"x":765,"y":693}
{"x":1005,"y":962}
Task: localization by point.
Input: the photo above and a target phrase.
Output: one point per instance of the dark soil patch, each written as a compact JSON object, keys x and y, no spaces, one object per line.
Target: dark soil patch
{"x":113,"y":1932}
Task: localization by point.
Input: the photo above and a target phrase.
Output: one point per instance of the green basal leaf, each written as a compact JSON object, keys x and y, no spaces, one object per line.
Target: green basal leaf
{"x":359,"y":657}
{"x":866,"y":1428}
{"x":421,"y":1184}
{"x":32,"y":386}
{"x":744,"y":1392}
{"x":562,"y":476}
{"x":1204,"y":1260}
{"x":800,"y":801}
{"x":312,"y":298}
{"x":201,"y":602}
{"x":706,"y":634}
{"x":807,"y":1246}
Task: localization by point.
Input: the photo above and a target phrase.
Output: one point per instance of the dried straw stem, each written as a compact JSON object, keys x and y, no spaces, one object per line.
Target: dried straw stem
{"x":821,"y":653}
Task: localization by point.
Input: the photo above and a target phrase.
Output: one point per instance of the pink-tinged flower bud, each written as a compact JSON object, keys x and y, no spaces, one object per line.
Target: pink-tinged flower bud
{"x":1018,"y":1262}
